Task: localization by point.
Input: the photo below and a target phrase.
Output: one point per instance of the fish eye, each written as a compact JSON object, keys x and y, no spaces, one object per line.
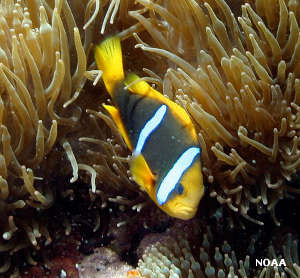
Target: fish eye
{"x":179,"y":188}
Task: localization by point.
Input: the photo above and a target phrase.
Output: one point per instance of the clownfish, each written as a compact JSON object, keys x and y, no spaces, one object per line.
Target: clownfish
{"x":163,"y":140}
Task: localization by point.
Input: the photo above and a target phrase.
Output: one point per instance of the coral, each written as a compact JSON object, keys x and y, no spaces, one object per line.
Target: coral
{"x":238,"y":77}
{"x":174,"y":256}
{"x":42,"y":71}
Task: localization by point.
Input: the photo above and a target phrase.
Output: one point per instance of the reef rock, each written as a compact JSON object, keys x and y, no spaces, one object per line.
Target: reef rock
{"x":103,"y":263}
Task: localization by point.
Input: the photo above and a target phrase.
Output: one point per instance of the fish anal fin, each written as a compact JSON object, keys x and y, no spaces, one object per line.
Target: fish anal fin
{"x":142,"y":174}
{"x":115,"y":114}
{"x":108,"y":56}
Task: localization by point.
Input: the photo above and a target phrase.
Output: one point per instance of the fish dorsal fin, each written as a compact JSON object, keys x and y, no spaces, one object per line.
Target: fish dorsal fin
{"x":108,"y":56}
{"x":138,"y":86}
{"x":142,"y":174}
{"x":115,"y":114}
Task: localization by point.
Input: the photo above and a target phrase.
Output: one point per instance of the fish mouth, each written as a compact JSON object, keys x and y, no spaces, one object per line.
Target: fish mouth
{"x":185,"y":212}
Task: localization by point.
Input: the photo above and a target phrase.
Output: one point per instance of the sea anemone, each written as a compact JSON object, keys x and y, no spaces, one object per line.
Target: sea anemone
{"x":99,"y":148}
{"x":238,"y":77}
{"x":38,"y":81}
{"x":174,"y":256}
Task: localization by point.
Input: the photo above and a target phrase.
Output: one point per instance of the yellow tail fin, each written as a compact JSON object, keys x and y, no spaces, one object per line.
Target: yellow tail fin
{"x":108,"y":56}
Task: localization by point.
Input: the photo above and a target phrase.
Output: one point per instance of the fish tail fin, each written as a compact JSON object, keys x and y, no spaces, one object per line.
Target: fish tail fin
{"x":108,"y":56}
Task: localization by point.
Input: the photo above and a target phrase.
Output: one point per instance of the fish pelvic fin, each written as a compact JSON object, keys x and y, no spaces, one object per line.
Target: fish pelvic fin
{"x":142,"y":174}
{"x":108,"y":56}
{"x":115,"y":114}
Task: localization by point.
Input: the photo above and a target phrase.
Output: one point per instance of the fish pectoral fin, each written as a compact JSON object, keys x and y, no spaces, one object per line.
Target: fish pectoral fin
{"x":108,"y":56}
{"x":141,"y":173}
{"x":115,"y":114}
